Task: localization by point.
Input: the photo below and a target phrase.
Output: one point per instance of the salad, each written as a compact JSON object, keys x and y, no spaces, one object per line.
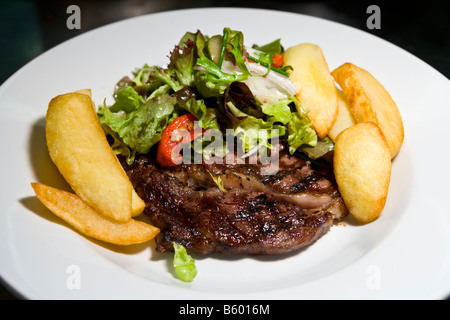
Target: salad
{"x":217,"y":87}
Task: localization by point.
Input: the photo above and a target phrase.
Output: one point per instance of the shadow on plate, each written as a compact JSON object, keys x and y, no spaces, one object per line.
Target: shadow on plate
{"x":43,"y":167}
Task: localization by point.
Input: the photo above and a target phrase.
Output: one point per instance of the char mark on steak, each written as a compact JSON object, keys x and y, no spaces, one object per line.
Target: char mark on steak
{"x":256,"y":214}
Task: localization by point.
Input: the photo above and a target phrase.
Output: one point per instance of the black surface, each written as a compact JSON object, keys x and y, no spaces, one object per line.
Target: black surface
{"x":29,"y":28}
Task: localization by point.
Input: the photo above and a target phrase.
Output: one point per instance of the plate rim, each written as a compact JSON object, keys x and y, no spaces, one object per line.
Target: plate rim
{"x":230,"y":9}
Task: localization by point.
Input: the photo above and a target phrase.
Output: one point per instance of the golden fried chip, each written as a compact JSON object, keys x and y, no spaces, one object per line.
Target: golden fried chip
{"x":315,"y":85}
{"x":362,"y":168}
{"x":344,"y":118}
{"x":370,"y":102}
{"x":73,"y":210}
{"x":78,"y":147}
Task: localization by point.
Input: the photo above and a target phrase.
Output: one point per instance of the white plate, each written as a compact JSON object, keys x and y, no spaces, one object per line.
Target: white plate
{"x":403,"y":255}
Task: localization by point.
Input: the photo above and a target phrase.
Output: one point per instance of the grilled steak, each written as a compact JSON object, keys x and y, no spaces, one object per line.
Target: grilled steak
{"x":250,"y":213}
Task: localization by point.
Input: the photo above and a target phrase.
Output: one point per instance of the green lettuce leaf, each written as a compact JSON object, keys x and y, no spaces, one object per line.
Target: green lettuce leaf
{"x":141,"y":128}
{"x":300,"y":132}
{"x":281,"y":110}
{"x":184,"y":57}
{"x":208,"y":88}
{"x":183,"y":263}
{"x":186,"y":98}
{"x":270,"y":48}
{"x":322,"y":147}
{"x":154,"y":81}
{"x":141,"y":75}
{"x":127,"y":100}
{"x":253,"y":132}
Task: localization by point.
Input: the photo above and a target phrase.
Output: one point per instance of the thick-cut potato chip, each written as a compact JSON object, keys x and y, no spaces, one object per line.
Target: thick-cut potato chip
{"x":78,"y":147}
{"x":370,"y":102}
{"x":344,"y":118}
{"x":85,"y":91}
{"x":315,"y":85}
{"x":362,"y":167}
{"x":137,"y":204}
{"x":83,"y":218}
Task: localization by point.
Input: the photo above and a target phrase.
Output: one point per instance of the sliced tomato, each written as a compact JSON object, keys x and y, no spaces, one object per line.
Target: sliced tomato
{"x":179,"y":132}
{"x":277,"y":60}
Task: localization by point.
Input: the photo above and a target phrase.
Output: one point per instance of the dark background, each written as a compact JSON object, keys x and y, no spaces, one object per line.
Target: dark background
{"x":29,"y":28}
